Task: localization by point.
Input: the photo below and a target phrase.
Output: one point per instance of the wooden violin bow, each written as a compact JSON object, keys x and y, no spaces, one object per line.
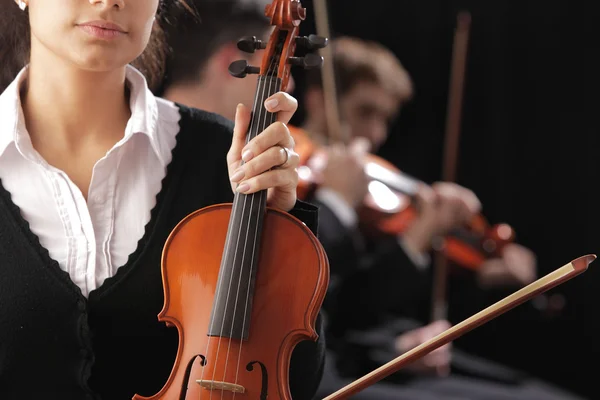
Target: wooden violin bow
{"x":543,"y":284}
{"x":332,"y":112}
{"x":460,"y":47}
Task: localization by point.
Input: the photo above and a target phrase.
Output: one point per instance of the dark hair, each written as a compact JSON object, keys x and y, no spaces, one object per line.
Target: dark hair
{"x":15,"y":41}
{"x":357,"y":60}
{"x":195,"y":38}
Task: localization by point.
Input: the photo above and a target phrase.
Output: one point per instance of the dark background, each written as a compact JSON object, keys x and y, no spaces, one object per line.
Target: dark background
{"x":528,"y":148}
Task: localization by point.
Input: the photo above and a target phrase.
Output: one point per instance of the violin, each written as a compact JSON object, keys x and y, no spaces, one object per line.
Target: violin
{"x":389,"y":206}
{"x":244,"y":283}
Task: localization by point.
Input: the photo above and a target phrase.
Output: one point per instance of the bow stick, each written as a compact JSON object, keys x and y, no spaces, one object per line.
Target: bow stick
{"x":461,"y":42}
{"x":543,"y":284}
{"x":334,"y":126}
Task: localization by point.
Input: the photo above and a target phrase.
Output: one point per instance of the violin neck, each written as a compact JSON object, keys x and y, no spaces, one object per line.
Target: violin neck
{"x":230,"y":315}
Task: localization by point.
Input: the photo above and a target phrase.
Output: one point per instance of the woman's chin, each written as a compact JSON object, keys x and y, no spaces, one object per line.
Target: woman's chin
{"x":100,"y":62}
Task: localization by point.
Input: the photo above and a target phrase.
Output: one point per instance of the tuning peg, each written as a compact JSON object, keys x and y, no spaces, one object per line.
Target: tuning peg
{"x":312,"y":42}
{"x":240,"y":69}
{"x":250,"y":43}
{"x":309,"y":61}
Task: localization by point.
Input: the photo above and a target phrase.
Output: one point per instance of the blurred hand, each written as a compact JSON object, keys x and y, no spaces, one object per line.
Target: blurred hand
{"x":438,"y":361}
{"x":441,"y":208}
{"x":517,"y":266}
{"x":344,"y":171}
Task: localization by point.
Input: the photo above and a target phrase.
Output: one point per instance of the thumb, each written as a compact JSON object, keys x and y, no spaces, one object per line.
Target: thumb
{"x":240,"y":129}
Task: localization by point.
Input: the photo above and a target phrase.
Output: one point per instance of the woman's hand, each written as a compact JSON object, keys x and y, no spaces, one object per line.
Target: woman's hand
{"x":269,"y":159}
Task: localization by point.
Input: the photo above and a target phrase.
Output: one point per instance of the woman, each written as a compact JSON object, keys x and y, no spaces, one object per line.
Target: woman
{"x":95,"y":172}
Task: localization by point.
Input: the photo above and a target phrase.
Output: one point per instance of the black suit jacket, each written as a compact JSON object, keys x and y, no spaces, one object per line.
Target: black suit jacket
{"x":369,"y":282}
{"x":375,"y":295}
{"x":373,"y":275}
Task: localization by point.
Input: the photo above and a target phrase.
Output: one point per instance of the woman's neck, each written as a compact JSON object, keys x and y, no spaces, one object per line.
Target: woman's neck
{"x":69,"y":107}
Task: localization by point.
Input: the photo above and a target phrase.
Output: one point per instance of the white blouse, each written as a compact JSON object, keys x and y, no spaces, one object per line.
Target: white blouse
{"x":90,"y":240}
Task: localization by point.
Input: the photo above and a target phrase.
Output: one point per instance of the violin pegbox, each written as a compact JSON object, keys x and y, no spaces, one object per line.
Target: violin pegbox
{"x":286,"y":16}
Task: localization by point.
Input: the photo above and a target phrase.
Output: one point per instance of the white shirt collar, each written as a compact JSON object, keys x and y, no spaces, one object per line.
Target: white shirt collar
{"x":143,"y":104}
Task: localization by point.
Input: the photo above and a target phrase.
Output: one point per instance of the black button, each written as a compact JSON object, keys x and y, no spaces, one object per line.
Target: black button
{"x":81,"y":305}
{"x":83,"y":352}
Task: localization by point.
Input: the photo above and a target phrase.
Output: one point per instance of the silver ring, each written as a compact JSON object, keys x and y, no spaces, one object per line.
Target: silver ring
{"x":287,"y":156}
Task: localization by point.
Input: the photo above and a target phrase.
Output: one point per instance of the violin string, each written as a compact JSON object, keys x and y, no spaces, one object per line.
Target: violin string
{"x":261,"y":125}
{"x":270,"y":118}
{"x":223,"y":319}
{"x":230,"y":232}
{"x":226,"y":301}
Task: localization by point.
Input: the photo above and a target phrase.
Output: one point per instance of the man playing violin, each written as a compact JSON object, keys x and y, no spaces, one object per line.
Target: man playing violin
{"x":384,"y":280}
{"x":373,"y":86}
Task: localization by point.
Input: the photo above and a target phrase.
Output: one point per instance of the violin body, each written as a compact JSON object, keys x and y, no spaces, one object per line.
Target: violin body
{"x":289,"y":288}
{"x":389,"y":207}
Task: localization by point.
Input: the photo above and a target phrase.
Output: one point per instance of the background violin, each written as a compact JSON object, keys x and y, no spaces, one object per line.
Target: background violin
{"x":243,"y":283}
{"x":389,"y":207}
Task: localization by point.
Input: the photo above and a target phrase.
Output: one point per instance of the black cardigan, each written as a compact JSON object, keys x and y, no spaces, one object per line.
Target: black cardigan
{"x":55,"y":343}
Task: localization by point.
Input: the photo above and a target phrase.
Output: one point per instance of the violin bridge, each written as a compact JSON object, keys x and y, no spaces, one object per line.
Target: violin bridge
{"x":217,"y":385}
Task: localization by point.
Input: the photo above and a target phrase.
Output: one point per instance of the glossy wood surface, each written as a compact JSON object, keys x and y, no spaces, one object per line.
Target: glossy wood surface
{"x":291,"y":283}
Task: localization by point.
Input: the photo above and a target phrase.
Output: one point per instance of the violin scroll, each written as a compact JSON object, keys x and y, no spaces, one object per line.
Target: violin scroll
{"x":286,"y":16}
{"x":285,"y":13}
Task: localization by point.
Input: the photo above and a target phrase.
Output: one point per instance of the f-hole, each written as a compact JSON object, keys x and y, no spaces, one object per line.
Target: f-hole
{"x":265,"y":377}
{"x":188,"y":372}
